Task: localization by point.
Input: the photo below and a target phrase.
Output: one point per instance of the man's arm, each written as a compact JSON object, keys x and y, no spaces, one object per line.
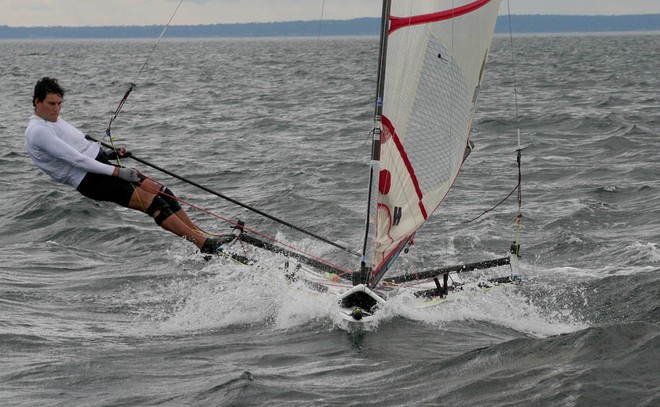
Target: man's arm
{"x":55,"y":147}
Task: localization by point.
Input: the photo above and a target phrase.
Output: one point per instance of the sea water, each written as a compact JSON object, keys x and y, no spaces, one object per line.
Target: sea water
{"x":101,"y":307}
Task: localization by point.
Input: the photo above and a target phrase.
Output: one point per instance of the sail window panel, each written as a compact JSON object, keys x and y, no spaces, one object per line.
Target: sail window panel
{"x":439,"y":122}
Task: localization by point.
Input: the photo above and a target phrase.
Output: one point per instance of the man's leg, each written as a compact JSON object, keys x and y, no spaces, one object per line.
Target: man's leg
{"x":168,"y":196}
{"x":146,"y":201}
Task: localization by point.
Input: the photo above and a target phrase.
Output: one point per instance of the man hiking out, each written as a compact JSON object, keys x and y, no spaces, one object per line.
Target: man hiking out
{"x":62,"y":151}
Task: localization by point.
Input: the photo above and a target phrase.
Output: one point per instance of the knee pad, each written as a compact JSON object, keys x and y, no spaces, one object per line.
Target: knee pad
{"x":159,"y":205}
{"x":168,"y":196}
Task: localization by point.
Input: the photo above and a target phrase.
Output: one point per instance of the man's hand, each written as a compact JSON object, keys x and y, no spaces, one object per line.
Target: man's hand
{"x":129,"y":174}
{"x":123,"y":153}
{"x":120,"y":153}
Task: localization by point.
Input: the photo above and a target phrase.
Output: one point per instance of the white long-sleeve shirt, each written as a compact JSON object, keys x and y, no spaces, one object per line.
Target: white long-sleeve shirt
{"x":61,"y":151}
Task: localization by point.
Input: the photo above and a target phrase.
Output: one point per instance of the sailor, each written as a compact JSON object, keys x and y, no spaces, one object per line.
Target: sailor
{"x":62,"y":151}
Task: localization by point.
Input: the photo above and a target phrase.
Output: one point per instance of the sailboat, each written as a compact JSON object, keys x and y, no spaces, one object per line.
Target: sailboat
{"x":432,"y":57}
{"x":431,"y":62}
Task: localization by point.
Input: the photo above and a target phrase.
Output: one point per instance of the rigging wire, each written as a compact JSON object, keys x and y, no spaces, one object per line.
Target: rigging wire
{"x":314,"y":77}
{"x":513,"y":72}
{"x":318,"y":32}
{"x":108,"y":132}
{"x":519,"y":149}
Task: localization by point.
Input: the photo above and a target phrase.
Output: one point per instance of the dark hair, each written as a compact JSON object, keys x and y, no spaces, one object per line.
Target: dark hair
{"x":45,"y":86}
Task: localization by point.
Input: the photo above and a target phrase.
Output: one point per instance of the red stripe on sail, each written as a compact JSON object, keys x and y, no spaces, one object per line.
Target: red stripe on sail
{"x":389,"y":216}
{"x":400,"y":22}
{"x":387,"y":258}
{"x":411,"y":171}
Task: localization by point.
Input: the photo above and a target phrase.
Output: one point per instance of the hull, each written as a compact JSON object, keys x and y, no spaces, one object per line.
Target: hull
{"x":358,"y":306}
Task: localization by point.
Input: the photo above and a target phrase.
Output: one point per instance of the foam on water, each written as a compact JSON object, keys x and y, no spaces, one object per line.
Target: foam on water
{"x":102,"y":307}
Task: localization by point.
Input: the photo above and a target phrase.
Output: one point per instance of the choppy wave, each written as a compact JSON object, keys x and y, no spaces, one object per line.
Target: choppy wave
{"x":100,"y":307}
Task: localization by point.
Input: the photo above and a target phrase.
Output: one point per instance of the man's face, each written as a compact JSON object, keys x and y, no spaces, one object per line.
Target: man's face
{"x":49,"y":108}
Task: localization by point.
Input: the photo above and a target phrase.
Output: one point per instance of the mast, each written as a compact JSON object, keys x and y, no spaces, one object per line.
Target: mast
{"x":367,"y":251}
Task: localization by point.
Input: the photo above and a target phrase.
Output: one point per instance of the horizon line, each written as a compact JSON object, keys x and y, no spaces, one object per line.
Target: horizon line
{"x":314,"y":21}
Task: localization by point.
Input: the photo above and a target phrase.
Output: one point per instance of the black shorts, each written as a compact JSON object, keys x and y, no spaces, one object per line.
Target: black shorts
{"x":102,"y":187}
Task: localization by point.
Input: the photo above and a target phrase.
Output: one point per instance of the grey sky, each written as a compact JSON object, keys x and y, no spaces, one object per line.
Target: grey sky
{"x":157,"y":12}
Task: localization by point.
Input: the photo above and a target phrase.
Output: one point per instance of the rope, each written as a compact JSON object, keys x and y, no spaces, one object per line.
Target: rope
{"x":517,"y":187}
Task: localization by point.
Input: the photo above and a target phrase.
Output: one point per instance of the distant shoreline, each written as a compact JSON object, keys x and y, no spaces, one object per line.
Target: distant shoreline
{"x":521,"y":24}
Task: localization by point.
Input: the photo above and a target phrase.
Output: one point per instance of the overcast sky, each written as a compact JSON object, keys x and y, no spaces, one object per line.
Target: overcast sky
{"x":157,"y":12}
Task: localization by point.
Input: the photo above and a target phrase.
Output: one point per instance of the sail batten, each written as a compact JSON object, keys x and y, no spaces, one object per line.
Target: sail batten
{"x":436,"y":51}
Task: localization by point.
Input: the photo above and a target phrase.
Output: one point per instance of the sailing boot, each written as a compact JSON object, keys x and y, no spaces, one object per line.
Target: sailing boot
{"x":213,"y":245}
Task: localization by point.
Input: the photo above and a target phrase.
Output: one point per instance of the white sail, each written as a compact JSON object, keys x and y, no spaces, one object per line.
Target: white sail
{"x":436,"y":52}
